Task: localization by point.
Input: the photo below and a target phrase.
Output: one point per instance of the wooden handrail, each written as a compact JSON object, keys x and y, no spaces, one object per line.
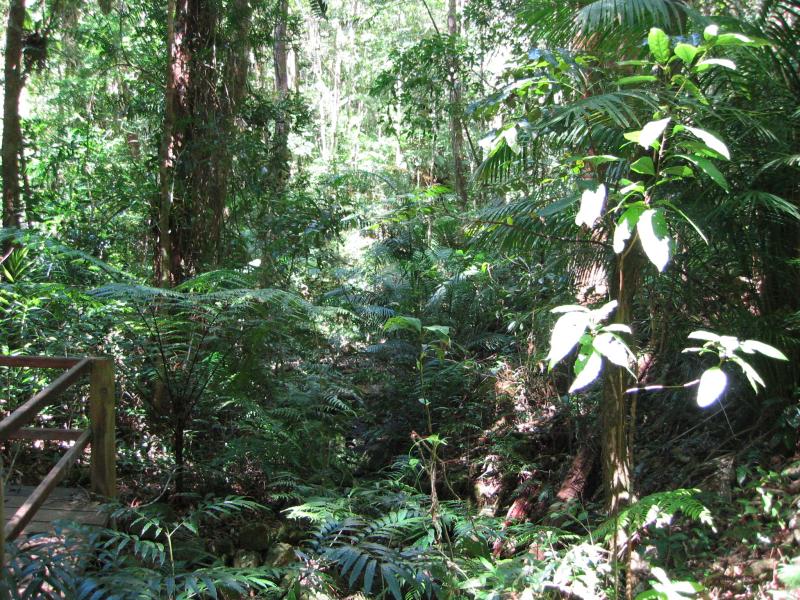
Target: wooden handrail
{"x":25,"y":512}
{"x":28,"y":411}
{"x":49,"y":434}
{"x":101,"y":433}
{"x":40,"y":362}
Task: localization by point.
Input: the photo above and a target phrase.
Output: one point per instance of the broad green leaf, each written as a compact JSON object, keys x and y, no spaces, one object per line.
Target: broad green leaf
{"x":709,"y":168}
{"x":680,"y":171}
{"x":587,"y":368}
{"x":706,"y":64}
{"x":651,"y":132}
{"x":599,"y":159}
{"x":733,"y":39}
{"x":613,"y":348}
{"x":751,"y":346}
{"x":401,"y":323}
{"x":686,"y":52}
{"x":625,"y":227}
{"x":711,"y":141}
{"x":618,"y":327}
{"x":567,"y":332}
{"x":712,"y":383}
{"x":440,"y":330}
{"x":644,"y":165}
{"x":634,"y":79}
{"x":653,"y":232}
{"x":591,"y":206}
{"x":658,"y":41}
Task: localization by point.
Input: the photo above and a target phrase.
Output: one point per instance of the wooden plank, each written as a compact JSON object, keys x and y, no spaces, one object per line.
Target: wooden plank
{"x":65,"y":504}
{"x":25,"y":513}
{"x":101,"y":415}
{"x":28,"y":411}
{"x":60,"y":494}
{"x":36,"y":433}
{"x":40,"y":362}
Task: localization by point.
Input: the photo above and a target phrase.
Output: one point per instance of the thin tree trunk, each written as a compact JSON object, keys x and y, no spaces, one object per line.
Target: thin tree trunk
{"x":456,"y":133}
{"x":12,"y":132}
{"x":616,"y":450}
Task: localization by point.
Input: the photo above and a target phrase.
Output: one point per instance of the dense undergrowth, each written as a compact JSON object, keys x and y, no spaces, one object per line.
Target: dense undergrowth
{"x":365,"y":397}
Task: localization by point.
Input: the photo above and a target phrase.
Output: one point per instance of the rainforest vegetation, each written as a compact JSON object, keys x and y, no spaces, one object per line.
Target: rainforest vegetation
{"x":483,"y":299}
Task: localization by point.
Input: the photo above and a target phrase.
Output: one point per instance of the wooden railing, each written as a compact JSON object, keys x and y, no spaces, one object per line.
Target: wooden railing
{"x":100,"y":434}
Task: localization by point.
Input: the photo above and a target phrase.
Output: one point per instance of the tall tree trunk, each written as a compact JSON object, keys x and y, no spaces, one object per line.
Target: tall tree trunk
{"x":204,"y":89}
{"x":12,"y":132}
{"x":456,"y":125}
{"x":171,"y":144}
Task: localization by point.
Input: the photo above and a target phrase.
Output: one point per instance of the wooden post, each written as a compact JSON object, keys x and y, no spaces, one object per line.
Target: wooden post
{"x":101,"y":416}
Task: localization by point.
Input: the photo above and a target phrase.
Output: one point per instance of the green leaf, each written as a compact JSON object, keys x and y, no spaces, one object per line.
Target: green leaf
{"x":653,"y":232}
{"x":659,"y":45}
{"x":679,"y":171}
{"x":401,"y":323}
{"x":734,"y":39}
{"x":440,"y":330}
{"x":686,"y":52}
{"x":709,"y":168}
{"x":625,"y":226}
{"x":711,"y":141}
{"x":644,"y":165}
{"x":712,"y":383}
{"x":752,"y":346}
{"x":634,"y":79}
{"x":651,"y":132}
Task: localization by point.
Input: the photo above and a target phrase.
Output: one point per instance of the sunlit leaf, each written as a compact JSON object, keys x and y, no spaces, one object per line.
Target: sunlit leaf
{"x":566,"y":334}
{"x":712,"y":383}
{"x":591,"y":206}
{"x":658,"y":41}
{"x":613,"y":348}
{"x":706,"y":336}
{"x":653,"y":232}
{"x":587,"y":368}
{"x":711,"y":141}
{"x":751,"y":346}
{"x":651,"y":132}
{"x":706,"y":64}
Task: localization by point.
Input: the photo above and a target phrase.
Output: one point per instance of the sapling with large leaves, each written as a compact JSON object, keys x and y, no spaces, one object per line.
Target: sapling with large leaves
{"x":643,"y":210}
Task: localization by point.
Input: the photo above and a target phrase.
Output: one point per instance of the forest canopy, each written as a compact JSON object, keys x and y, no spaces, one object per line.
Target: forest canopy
{"x":413,"y":299}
